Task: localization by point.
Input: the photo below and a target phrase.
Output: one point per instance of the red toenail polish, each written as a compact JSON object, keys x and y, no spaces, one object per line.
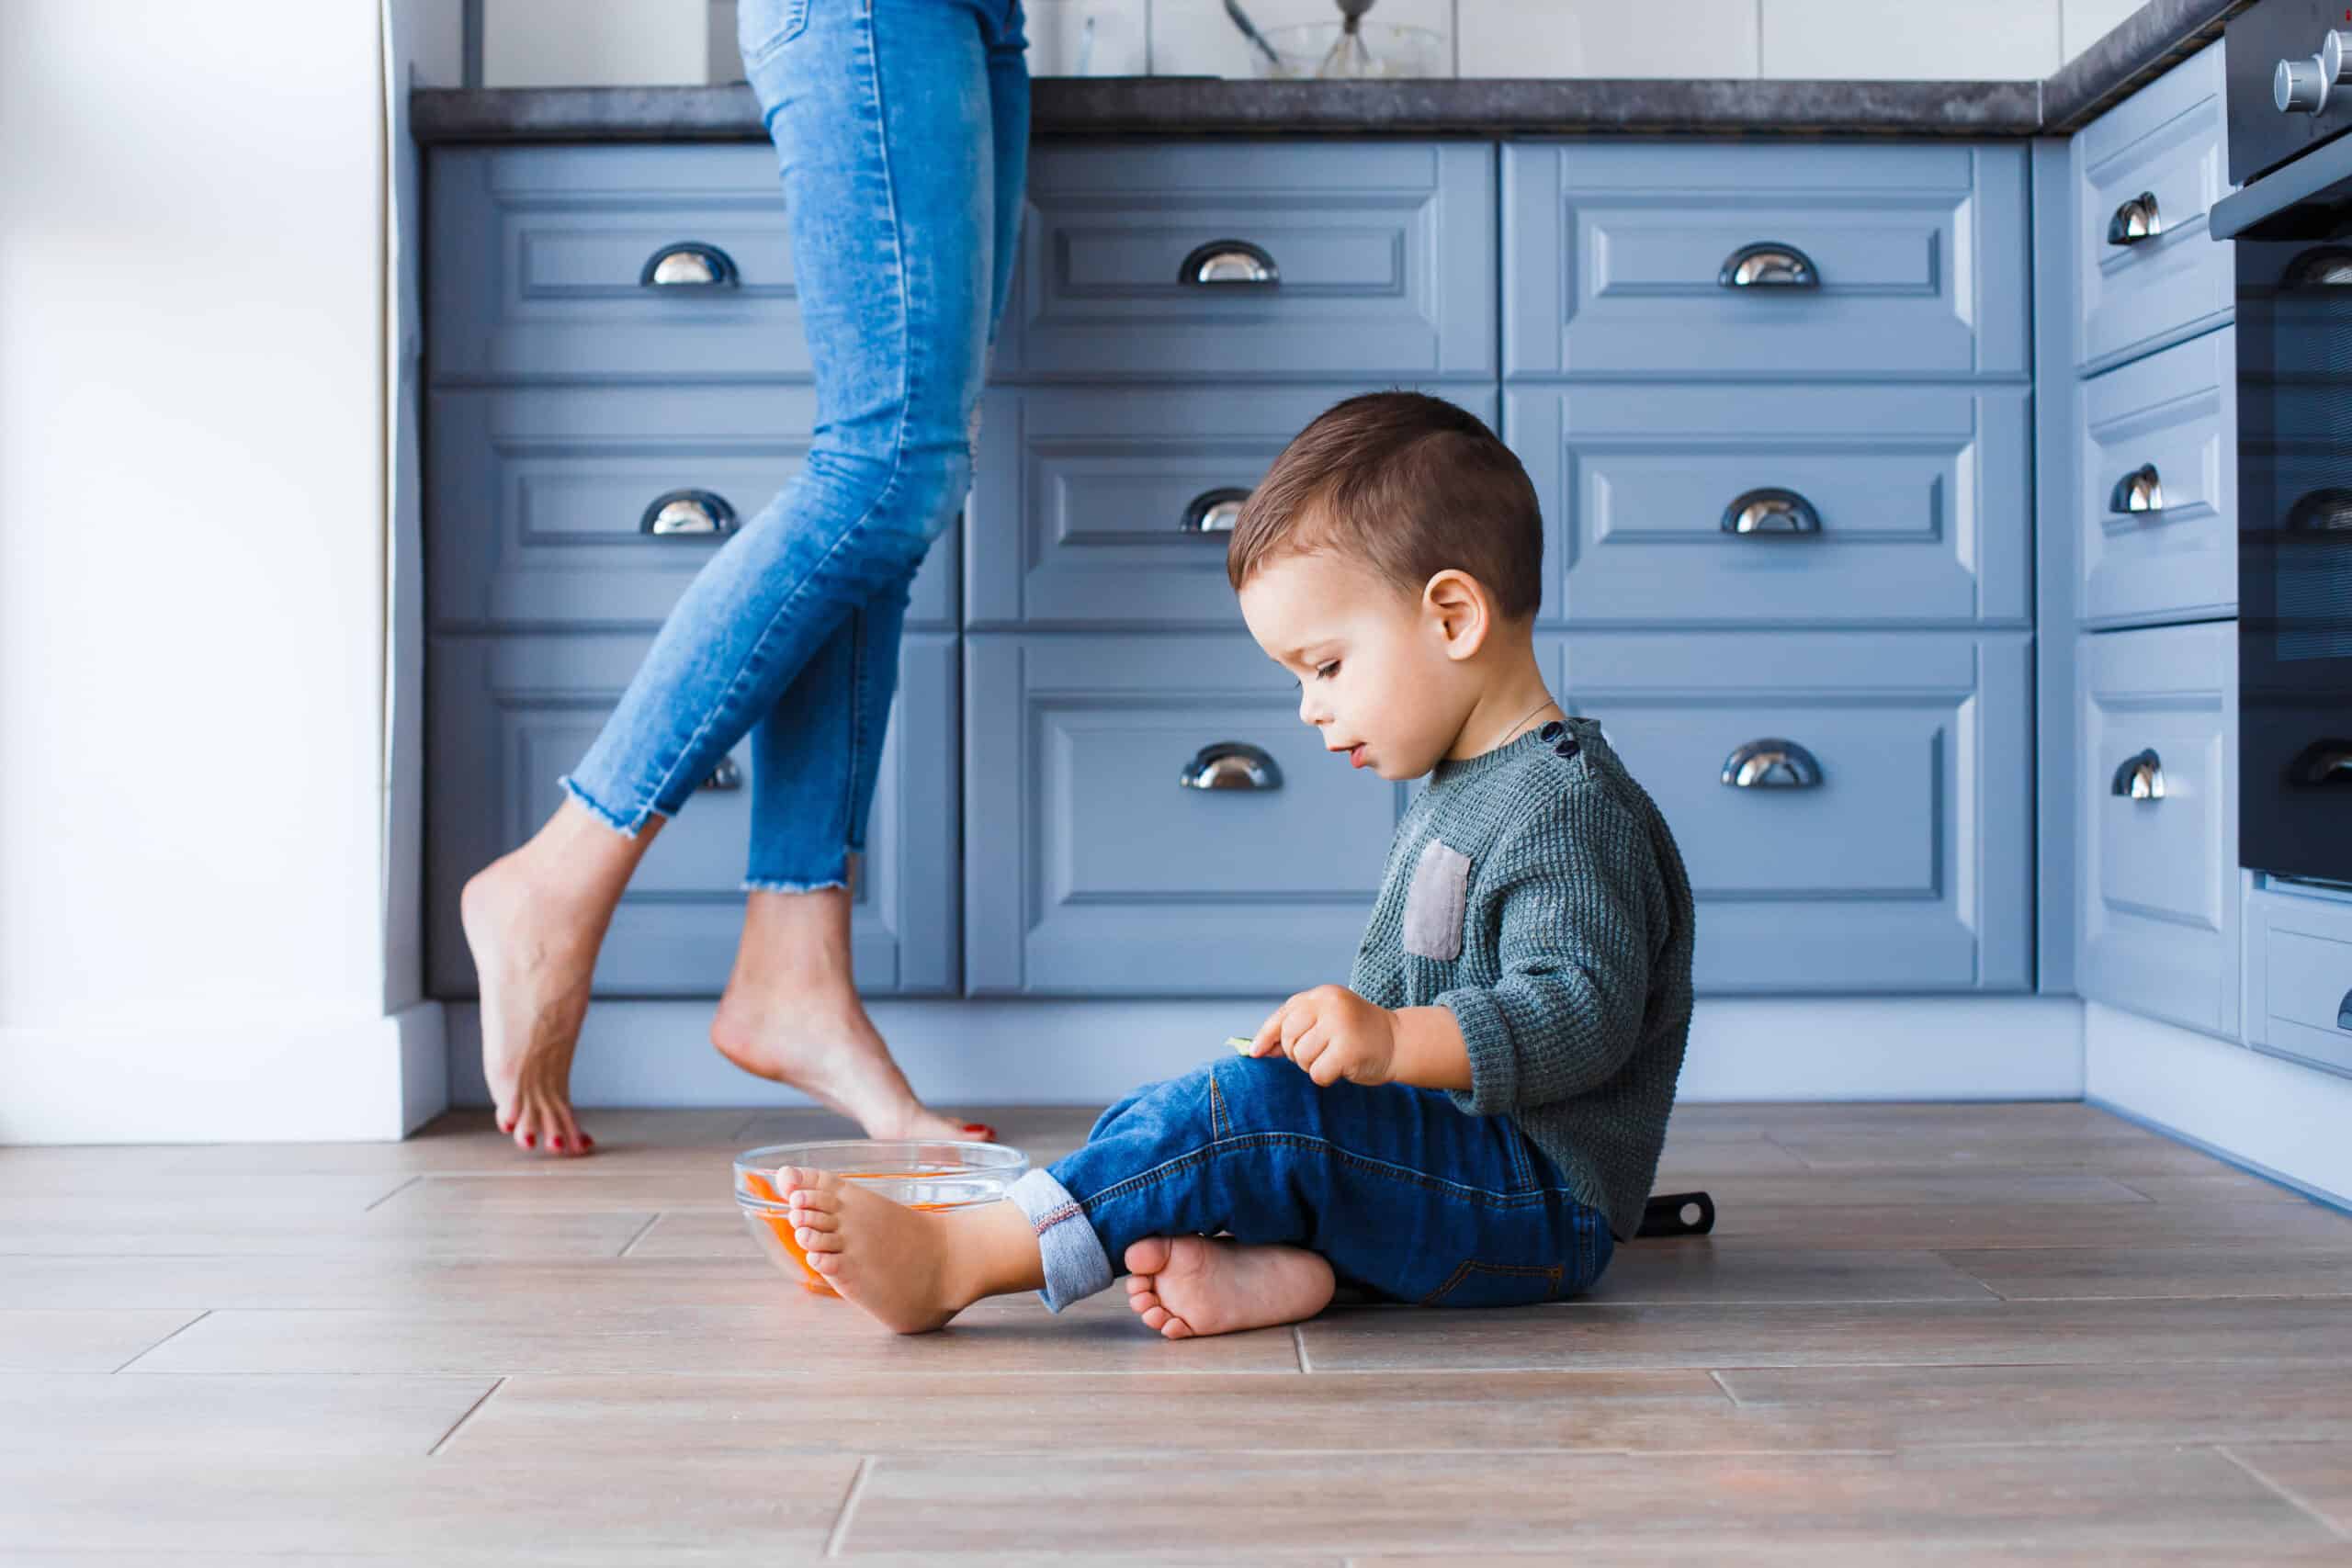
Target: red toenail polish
{"x":559,"y":1140}
{"x":586,"y":1141}
{"x":530,"y":1140}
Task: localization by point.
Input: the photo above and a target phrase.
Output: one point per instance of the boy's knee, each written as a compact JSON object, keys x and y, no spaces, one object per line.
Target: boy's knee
{"x":1265,"y":1094}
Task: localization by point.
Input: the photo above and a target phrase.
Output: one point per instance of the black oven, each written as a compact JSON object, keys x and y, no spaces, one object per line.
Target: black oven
{"x":2290,"y":104}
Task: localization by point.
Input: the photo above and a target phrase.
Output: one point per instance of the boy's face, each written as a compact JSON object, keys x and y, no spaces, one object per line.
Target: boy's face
{"x":1374,"y":674}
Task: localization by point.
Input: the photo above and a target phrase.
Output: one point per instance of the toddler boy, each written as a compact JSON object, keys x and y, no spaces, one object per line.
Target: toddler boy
{"x":1476,"y":1116}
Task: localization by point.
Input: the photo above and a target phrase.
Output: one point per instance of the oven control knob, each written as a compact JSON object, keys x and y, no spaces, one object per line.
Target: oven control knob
{"x":2298,"y":87}
{"x":2335,"y":60}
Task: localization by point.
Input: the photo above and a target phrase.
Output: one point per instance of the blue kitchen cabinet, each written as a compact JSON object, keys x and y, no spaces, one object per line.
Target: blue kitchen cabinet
{"x":1817,"y":505}
{"x":1764,"y":260}
{"x":1148,"y":816}
{"x":2157,"y":771}
{"x":1254,"y":260}
{"x":2155,"y":486}
{"x":1109,"y":507}
{"x":591,"y":508}
{"x":2146,"y":175}
{"x":1852,"y":808}
{"x":509,"y":715}
{"x":610,"y":264}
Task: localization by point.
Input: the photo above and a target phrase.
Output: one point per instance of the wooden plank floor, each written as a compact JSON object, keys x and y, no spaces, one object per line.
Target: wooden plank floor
{"x":2005,"y":1334}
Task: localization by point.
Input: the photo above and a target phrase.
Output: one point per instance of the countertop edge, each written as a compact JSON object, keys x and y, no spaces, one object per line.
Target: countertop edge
{"x":2143,"y":46}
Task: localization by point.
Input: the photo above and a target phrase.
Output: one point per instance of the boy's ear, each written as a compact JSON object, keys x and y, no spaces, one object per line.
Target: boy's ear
{"x":1455,"y":606}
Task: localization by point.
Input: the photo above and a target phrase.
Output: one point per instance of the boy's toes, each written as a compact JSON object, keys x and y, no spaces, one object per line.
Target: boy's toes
{"x":824,"y":1262}
{"x":1142,"y":1301}
{"x":1148,"y":1256}
{"x":814,"y":1240}
{"x":816,"y":1219}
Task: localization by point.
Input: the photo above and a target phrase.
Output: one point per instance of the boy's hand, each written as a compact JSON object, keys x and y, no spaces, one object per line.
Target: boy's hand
{"x":1333,"y":1033}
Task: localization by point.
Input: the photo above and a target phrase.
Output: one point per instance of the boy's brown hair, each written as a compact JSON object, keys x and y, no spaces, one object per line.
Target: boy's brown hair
{"x":1407,"y":484}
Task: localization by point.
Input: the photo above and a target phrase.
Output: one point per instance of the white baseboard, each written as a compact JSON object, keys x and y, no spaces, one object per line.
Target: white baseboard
{"x":328,"y":1081}
{"x":964,"y":1054}
{"x":2287,"y":1121}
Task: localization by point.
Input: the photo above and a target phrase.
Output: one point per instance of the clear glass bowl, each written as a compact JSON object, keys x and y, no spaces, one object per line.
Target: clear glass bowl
{"x":919,"y":1175}
{"x":1388,"y":49}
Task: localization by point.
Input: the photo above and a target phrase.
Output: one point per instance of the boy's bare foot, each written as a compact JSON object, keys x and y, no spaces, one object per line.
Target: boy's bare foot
{"x":1187,"y":1286}
{"x":791,"y":1014}
{"x":910,"y":1270}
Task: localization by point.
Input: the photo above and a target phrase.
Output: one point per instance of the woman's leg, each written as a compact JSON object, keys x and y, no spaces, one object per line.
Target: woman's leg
{"x":792,"y":1011}
{"x":881,"y":115}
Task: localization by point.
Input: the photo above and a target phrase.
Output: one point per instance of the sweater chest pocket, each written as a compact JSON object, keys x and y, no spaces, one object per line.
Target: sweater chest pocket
{"x":1436,"y":902}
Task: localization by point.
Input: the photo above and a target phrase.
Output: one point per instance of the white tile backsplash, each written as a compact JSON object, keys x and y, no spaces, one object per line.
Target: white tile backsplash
{"x":1607,"y":38}
{"x":566,"y":43}
{"x":2085,"y":22}
{"x":1057,"y":38}
{"x":547,"y":42}
{"x":1195,"y":37}
{"x":1907,"y":39}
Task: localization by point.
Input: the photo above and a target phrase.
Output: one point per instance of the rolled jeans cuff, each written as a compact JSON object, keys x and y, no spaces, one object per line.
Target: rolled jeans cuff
{"x":1076,"y":1267}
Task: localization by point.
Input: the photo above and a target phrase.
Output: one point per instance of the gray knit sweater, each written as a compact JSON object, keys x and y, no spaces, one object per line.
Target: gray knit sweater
{"x":1535,"y":891}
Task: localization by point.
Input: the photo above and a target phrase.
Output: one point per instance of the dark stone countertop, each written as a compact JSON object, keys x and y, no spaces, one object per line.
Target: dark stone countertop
{"x":2149,"y":41}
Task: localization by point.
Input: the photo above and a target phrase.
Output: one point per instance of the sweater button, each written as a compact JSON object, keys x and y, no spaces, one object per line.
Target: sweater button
{"x":1552,"y":730}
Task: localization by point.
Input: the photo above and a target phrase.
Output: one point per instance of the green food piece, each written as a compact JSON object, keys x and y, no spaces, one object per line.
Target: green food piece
{"x":1239,"y":1042}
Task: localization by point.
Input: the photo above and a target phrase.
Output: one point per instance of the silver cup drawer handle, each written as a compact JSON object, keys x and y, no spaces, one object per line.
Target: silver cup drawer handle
{"x":2141,"y":489}
{"x":1214,"y":510}
{"x":1230,"y":264}
{"x":681,"y":511}
{"x":689,"y":264}
{"x":1769,"y":263}
{"x":1770,"y":511}
{"x":1772,"y":764}
{"x":2136,"y":221}
{"x":2140,"y":777}
{"x":1230,"y":764}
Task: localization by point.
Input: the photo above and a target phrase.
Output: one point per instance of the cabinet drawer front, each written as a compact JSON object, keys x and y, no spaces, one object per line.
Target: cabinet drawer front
{"x":1616,"y":257}
{"x":539,"y":258}
{"x":2163,"y":142}
{"x":2160,"y":875}
{"x":2299,"y":977}
{"x":511,"y":715}
{"x":538,"y":500}
{"x":1905,"y":866}
{"x":1920,"y":497}
{"x":1343,"y":257}
{"x":1091,"y":869}
{"x":1083,"y":499}
{"x":2174,"y":412}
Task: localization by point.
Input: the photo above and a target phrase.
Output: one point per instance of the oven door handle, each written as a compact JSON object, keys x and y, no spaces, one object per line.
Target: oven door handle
{"x":2268,"y":208}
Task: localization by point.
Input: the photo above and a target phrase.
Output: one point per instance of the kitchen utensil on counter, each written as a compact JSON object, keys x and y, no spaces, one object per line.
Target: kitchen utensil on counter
{"x":1249,"y":31}
{"x":1349,"y":57}
{"x":1388,"y":50}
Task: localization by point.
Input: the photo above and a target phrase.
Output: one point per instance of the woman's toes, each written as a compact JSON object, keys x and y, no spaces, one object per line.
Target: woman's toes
{"x":1148,"y":1256}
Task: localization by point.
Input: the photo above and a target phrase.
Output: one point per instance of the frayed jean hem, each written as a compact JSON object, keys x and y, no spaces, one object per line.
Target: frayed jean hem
{"x":628,"y":827}
{"x":772,"y":884}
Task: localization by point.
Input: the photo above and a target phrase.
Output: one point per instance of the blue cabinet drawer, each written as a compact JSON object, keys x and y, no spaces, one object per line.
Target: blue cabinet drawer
{"x":572,"y":262}
{"x":2156,"y":486}
{"x":1886,"y":850}
{"x":2160,"y":149}
{"x":1880,"y":260}
{"x":1261,"y":260}
{"x":1091,"y":869}
{"x":1110,"y":506}
{"x":509,"y":717}
{"x":1860,"y":504}
{"x":554,"y":506}
{"x":2159,"y":869}
{"x":2299,"y":976}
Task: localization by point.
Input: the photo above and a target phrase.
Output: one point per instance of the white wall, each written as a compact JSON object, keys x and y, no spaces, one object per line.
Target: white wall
{"x":192,"y":577}
{"x":542,"y":42}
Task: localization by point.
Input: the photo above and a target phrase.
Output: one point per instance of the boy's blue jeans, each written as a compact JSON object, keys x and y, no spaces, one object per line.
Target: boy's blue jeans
{"x":902,"y":130}
{"x":1407,"y":1197}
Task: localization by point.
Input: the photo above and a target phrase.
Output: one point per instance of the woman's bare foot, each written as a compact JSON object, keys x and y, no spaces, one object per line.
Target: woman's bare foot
{"x":791,"y":1014}
{"x":1187,"y":1286}
{"x":533,"y":919}
{"x":908,"y":1270}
